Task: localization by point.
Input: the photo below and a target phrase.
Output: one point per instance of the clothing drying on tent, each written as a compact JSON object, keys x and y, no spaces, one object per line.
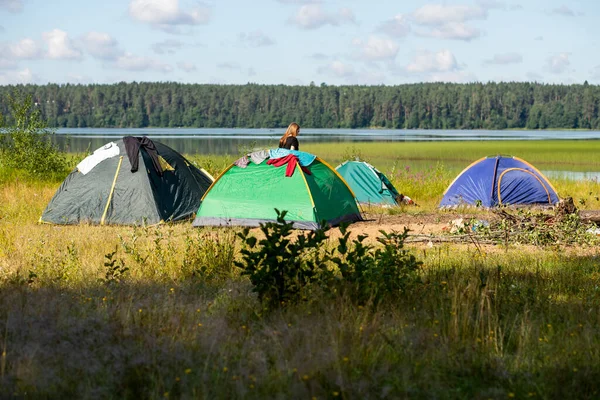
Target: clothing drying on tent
{"x":369,"y":185}
{"x":298,"y":182}
{"x":499,"y":180}
{"x":108,"y":188}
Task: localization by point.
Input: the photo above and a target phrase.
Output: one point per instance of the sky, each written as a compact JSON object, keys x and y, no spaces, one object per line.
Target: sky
{"x":296,"y":42}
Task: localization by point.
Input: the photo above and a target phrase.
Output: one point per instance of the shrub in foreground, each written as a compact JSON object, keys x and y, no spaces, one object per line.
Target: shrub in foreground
{"x":283,"y":270}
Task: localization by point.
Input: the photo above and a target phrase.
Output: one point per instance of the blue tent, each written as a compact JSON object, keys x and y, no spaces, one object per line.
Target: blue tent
{"x":499,"y":180}
{"x":368,"y":184}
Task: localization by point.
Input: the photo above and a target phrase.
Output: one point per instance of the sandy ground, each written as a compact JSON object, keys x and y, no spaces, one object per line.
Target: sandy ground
{"x":433,"y":223}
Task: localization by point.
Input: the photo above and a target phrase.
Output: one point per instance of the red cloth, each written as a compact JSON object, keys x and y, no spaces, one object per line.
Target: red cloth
{"x":291,"y":161}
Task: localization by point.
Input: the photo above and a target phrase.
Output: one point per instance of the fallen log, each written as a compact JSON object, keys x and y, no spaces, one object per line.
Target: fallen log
{"x":590,"y":216}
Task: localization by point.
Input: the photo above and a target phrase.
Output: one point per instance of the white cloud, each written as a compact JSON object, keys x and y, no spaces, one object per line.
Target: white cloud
{"x":377,"y":48}
{"x":255,"y":39}
{"x":563,"y":10}
{"x":538,"y":38}
{"x":1,"y":29}
{"x":101,"y":45}
{"x":453,"y":30}
{"x":166,"y":14}
{"x":449,"y":21}
{"x":15,"y":77}
{"x":131,"y":62}
{"x":558,"y":64}
{"x":60,"y":46}
{"x":186,"y":66}
{"x":426,"y":61}
{"x":169,"y":46}
{"x":312,"y":16}
{"x":396,"y":27}
{"x":11,"y":5}
{"x":505,"y":58}
{"x":338,"y":69}
{"x":25,"y":49}
{"x":437,"y":14}
{"x":515,"y":7}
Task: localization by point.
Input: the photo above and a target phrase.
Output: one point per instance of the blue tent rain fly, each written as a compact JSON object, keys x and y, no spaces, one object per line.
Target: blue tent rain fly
{"x":499,"y":180}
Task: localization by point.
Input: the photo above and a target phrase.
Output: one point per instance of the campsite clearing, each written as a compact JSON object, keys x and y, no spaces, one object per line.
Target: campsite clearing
{"x":166,"y":308}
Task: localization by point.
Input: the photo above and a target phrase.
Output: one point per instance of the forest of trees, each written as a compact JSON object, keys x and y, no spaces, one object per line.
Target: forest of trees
{"x":411,"y":106}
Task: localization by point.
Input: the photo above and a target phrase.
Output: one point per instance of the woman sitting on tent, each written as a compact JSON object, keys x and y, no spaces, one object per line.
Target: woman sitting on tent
{"x":289,"y":140}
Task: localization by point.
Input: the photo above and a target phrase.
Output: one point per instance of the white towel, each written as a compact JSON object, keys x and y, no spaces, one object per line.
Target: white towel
{"x":109,"y":150}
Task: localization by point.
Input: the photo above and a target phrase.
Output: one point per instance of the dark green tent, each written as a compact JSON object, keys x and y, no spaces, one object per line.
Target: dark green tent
{"x":109,"y":193}
{"x":248,"y":196}
{"x":368,"y":184}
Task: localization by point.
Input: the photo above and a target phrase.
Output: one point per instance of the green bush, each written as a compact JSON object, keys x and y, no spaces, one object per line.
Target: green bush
{"x":282,"y":270}
{"x":279,"y":268}
{"x":26,"y":144}
{"x":373,"y":274}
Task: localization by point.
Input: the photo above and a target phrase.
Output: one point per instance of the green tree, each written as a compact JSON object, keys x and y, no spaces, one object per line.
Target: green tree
{"x":26,"y":143}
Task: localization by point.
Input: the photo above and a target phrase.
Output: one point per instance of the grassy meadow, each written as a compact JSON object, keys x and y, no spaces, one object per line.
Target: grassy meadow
{"x":163,"y":312}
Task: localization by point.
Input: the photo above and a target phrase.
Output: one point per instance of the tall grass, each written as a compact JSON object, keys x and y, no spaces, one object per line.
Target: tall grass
{"x":500,"y":325}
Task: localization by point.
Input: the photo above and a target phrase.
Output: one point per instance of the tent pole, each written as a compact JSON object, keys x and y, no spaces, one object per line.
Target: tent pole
{"x":112,"y":190}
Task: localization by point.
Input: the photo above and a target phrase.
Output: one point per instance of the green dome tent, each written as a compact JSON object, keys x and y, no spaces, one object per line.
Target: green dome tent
{"x":247,"y":192}
{"x":104,"y":190}
{"x":368,"y":184}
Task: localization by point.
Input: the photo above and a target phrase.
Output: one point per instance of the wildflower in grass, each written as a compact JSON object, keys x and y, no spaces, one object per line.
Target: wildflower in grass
{"x":140,"y":310}
{"x":511,"y":395}
{"x":172,"y":290}
{"x":225,"y":369}
{"x":177,"y":379}
{"x":188,"y":371}
{"x":444,"y":282}
{"x":251,"y":386}
{"x":305,"y":377}
{"x":346,"y":359}
{"x":198,"y":310}
{"x":575,"y":370}
{"x":199,"y":324}
{"x":335,"y":394}
{"x":166,"y":394}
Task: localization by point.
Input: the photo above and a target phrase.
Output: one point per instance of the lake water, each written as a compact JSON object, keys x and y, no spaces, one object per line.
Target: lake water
{"x":230,"y":141}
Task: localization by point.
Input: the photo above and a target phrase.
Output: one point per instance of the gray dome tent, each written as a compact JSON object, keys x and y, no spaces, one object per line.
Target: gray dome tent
{"x":104,"y":190}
